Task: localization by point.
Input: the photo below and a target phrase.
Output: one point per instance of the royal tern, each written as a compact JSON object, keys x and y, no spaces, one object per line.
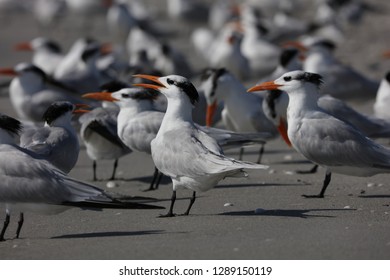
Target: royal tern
{"x":31,"y":91}
{"x":57,"y":141}
{"x":228,"y":54}
{"x":180,"y":150}
{"x":99,"y":133}
{"x":242,"y":112}
{"x":320,"y":137}
{"x":263,"y":56}
{"x":139,"y":123}
{"x":29,"y":183}
{"x":119,"y":21}
{"x":341,"y":81}
{"x":47,"y":54}
{"x":99,"y":129}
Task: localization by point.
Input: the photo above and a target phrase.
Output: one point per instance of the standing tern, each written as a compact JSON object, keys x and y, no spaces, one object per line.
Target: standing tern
{"x":99,"y":133}
{"x":47,"y":54}
{"x":341,"y":81}
{"x":139,"y":123}
{"x":241,"y":113}
{"x":323,"y":138}
{"x":31,"y":91}
{"x":192,"y":159}
{"x":30,"y":183}
{"x":57,"y":141}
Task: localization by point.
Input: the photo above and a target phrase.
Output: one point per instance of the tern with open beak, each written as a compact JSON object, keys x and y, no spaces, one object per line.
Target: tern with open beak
{"x":192,"y":159}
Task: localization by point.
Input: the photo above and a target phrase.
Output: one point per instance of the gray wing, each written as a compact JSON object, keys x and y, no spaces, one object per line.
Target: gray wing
{"x":142,"y":129}
{"x":335,"y":143}
{"x":192,"y":153}
{"x":370,"y":126}
{"x":28,"y":179}
{"x":102,"y":121}
{"x":230,"y":139}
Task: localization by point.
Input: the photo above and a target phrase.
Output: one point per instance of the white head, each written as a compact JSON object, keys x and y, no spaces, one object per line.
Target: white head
{"x":293,"y":82}
{"x":174,"y":87}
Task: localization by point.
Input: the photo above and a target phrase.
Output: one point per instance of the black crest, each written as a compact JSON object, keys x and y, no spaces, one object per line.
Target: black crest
{"x":387,"y":77}
{"x":287,"y":55}
{"x":90,"y":52}
{"x":142,"y":94}
{"x":313,"y":78}
{"x":326,"y":43}
{"x":114,"y":86}
{"x":215,"y":73}
{"x":53,"y":46}
{"x":10,"y":124}
{"x":56,"y":110}
{"x":190,"y":91}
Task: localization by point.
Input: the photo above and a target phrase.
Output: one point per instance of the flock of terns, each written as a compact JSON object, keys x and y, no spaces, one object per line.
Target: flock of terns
{"x":141,"y":93}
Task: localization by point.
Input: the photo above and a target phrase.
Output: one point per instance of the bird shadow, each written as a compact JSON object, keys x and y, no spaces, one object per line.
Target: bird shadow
{"x":294,"y":213}
{"x":256,"y":185}
{"x":375,"y":196}
{"x":107,"y":234}
{"x":145,"y":179}
{"x":298,"y":161}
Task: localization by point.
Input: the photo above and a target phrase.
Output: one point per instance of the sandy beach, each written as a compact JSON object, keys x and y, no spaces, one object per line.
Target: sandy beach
{"x":263,"y":216}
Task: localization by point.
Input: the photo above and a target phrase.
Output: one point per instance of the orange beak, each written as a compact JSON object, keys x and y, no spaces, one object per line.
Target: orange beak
{"x":150,"y":78}
{"x":104,"y":96}
{"x":79,"y":109}
{"x":106,"y":48}
{"x":25,"y":46}
{"x":282,"y":128}
{"x":295,"y":44}
{"x":386,"y":54}
{"x":8,"y":72}
{"x":264,"y":86}
{"x":210,"y":113}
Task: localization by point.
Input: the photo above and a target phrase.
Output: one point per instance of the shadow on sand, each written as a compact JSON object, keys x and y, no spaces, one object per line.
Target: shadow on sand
{"x":294,"y":213}
{"x":108,"y":234}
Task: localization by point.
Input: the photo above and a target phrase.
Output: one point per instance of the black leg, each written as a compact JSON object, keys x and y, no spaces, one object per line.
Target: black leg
{"x":155,"y":175}
{"x":260,"y":153}
{"x":241,"y":153}
{"x":5,"y":225}
{"x":20,"y":224}
{"x":94,"y":170}
{"x":192,"y":200}
{"x":114,"y":170}
{"x":160,"y":175}
{"x":170,"y":212}
{"x":310,"y":171}
{"x":328,"y":176}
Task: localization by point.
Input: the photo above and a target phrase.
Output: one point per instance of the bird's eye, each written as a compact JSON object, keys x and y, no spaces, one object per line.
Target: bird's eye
{"x":170,"y":82}
{"x":125,"y":95}
{"x":288,"y":78}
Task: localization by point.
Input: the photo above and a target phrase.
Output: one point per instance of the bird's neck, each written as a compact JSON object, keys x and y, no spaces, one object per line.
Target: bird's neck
{"x":300,"y":102}
{"x":29,"y":83}
{"x":63,"y":121}
{"x":6,"y":138}
{"x":178,"y":111}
